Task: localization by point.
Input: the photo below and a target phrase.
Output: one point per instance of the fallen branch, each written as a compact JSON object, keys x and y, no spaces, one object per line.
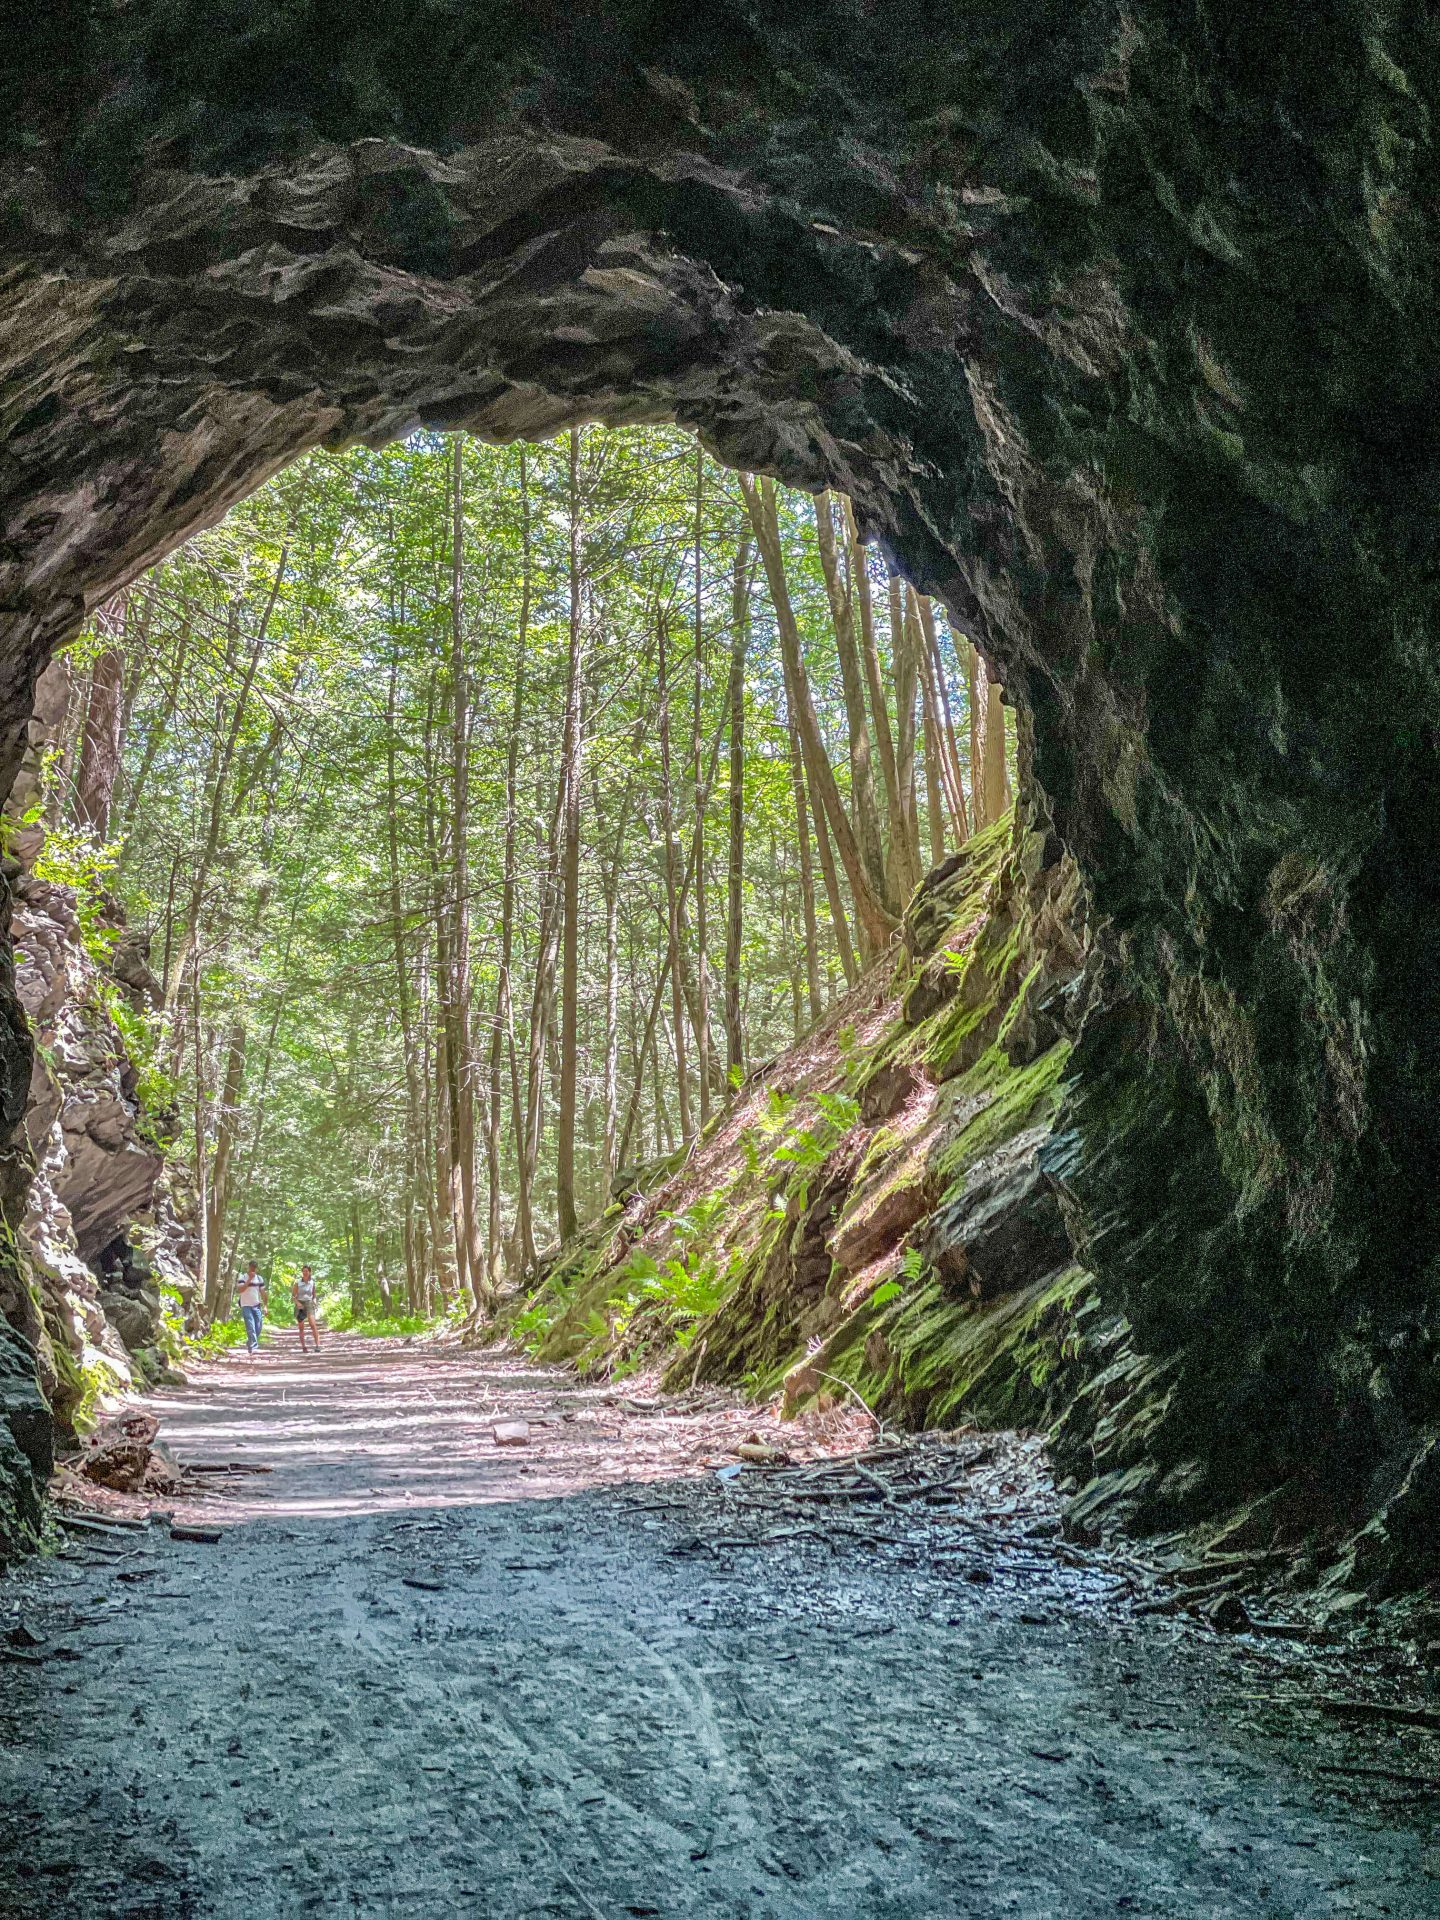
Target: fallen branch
{"x":1428,"y":1717}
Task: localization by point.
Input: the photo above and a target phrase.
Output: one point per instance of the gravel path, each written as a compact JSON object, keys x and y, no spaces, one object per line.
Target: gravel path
{"x":423,"y":1675}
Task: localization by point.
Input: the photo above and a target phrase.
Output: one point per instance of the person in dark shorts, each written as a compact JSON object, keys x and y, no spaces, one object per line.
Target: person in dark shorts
{"x":302,"y":1297}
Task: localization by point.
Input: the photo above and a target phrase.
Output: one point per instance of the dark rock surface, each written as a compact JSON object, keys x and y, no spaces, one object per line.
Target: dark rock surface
{"x":94,"y":1211}
{"x":1118,"y":326}
{"x":1005,"y":1229}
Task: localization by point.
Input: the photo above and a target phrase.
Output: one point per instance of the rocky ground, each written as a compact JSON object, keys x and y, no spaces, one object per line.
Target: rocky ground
{"x":602,"y":1672}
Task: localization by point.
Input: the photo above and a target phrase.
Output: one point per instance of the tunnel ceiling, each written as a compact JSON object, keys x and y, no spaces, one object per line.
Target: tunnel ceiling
{"x":1118,"y":327}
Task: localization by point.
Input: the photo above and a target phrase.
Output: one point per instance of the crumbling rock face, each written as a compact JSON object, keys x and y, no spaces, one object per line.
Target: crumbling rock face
{"x":97,"y":1224}
{"x":83,"y":1081}
{"x":1117,"y":323}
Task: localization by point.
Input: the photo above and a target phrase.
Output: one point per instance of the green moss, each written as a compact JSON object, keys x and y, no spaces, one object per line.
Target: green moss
{"x":1020,"y":1097}
{"x":80,"y":1388}
{"x":1019,"y":1006}
{"x":1010,"y":1362}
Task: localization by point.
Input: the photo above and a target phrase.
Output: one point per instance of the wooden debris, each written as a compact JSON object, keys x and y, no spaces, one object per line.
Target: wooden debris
{"x":84,"y":1523}
{"x":119,"y":1454}
{"x":223,"y":1466}
{"x":1399,"y":1716}
{"x":198,"y":1536}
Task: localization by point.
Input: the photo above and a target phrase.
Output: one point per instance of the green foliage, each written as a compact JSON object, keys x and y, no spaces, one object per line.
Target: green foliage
{"x":681,"y":1289}
{"x":378,"y":1326}
{"x":156,"y":1089}
{"x":218,"y":1337}
{"x":72,"y":857}
{"x":285,"y":826}
{"x":804,"y":1148}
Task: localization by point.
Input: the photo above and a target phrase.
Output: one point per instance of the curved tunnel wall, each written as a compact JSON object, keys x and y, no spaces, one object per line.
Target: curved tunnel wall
{"x":1117,"y":327}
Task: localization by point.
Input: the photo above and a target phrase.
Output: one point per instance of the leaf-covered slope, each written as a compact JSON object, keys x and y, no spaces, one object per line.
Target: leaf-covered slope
{"x":869,"y":1214}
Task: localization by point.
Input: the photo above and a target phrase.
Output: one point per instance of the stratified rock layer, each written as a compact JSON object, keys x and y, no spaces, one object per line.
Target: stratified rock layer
{"x":1118,"y":326}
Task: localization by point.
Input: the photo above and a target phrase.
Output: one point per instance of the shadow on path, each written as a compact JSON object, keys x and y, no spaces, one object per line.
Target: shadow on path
{"x":424,"y":1676}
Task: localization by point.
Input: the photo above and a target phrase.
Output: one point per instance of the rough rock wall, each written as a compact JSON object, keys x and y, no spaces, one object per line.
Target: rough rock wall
{"x":1116,"y":322}
{"x":97,"y":1222}
{"x":100,"y":1230}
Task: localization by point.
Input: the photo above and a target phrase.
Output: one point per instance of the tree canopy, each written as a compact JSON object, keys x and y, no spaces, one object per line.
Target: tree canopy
{"x":490,"y":811}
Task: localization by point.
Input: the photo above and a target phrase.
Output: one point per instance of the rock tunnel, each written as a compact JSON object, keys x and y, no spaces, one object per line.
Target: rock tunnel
{"x":1116,"y":324}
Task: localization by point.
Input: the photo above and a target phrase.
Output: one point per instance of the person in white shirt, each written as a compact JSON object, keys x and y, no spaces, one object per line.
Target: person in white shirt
{"x":252,"y":1307}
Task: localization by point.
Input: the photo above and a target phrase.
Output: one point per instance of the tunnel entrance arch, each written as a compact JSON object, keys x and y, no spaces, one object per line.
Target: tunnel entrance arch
{"x":1027,"y":293}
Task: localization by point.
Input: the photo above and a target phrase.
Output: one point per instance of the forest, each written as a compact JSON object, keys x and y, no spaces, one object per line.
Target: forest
{"x":489,"y":813}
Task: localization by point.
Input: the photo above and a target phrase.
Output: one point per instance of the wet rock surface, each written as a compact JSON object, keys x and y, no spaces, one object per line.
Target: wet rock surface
{"x":419,"y":1674}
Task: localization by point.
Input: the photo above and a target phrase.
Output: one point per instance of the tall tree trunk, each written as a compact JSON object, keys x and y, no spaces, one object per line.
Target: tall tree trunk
{"x":835,"y":897}
{"x":227,"y":1127}
{"x":944,"y":719}
{"x":355,"y":1251}
{"x":974,"y":680}
{"x":413,"y":1098}
{"x":877,"y":923}
{"x":610,"y":1076}
{"x":934,"y":791}
{"x":160,"y":725}
{"x":674,"y":921}
{"x":101,"y":738}
{"x":852,"y":681}
{"x":807,"y":881}
{"x":455,"y":976}
{"x":903,"y":873}
{"x":702,"y":958}
{"x":217,"y":810}
{"x":903,"y":666}
{"x":571,"y":749}
{"x":541,"y":997}
{"x":504,"y":1029}
{"x":994,"y":772}
{"x":735,"y":873}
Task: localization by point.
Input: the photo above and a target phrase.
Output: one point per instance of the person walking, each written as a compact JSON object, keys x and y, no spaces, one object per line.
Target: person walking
{"x":302,"y":1297}
{"x":252,"y":1307}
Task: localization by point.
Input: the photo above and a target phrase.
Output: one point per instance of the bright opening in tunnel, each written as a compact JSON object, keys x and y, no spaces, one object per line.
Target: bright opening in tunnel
{"x":449,"y":833}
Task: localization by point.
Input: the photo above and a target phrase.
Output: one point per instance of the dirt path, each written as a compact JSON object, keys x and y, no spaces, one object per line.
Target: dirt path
{"x":424,"y":1676}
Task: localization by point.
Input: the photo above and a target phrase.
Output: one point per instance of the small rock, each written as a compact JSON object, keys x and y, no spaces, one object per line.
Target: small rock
{"x":1227,"y":1614}
{"x":119,"y":1455}
{"x":21,"y":1636}
{"x":512,"y":1433}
